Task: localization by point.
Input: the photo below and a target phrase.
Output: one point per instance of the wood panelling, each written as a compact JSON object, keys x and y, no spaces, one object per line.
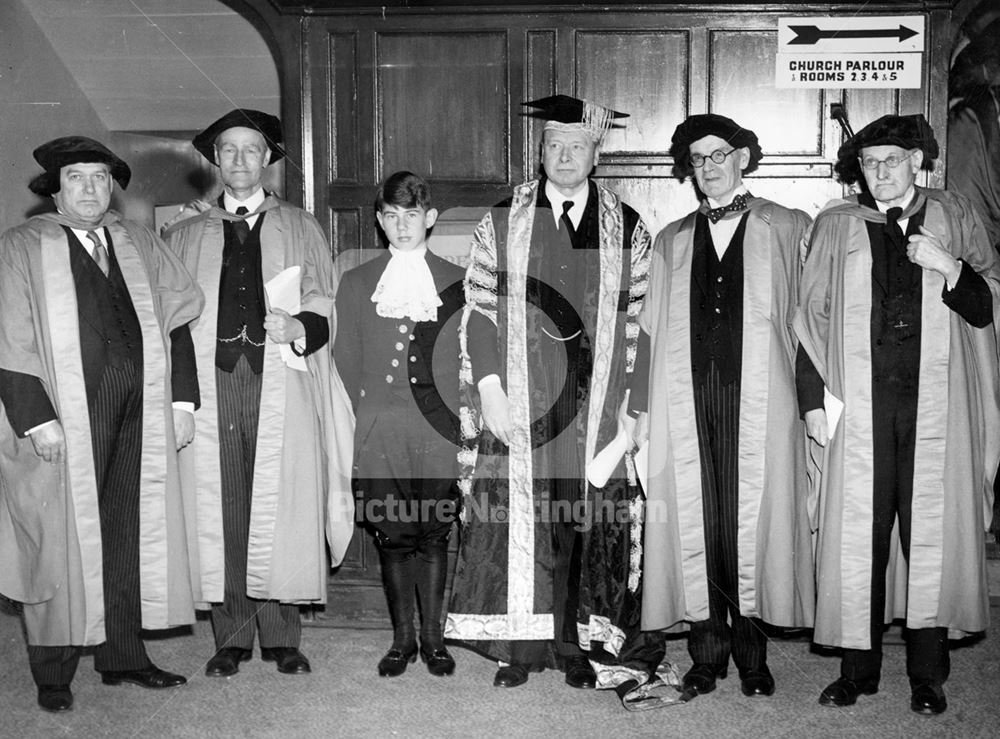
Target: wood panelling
{"x":741,"y":86}
{"x":392,"y":90}
{"x":435,"y":92}
{"x":644,"y":74}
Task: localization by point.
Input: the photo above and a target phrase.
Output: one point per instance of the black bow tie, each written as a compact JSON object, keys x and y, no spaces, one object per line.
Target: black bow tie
{"x":739,"y":204}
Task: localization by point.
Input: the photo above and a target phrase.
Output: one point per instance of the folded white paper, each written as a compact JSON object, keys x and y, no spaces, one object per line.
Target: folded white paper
{"x":605,"y":461}
{"x":834,"y":407}
{"x":641,"y":460}
{"x":284,"y":291}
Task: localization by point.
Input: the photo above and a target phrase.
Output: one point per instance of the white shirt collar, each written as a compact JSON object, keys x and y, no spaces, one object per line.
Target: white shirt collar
{"x":907,"y":199}
{"x":252,"y":203}
{"x":579,"y":201}
{"x":713,"y":203}
{"x":410,"y":255}
{"x":81,"y":234}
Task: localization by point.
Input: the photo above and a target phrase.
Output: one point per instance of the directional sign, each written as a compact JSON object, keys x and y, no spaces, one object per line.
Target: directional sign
{"x":876,"y":34}
{"x":858,"y":70}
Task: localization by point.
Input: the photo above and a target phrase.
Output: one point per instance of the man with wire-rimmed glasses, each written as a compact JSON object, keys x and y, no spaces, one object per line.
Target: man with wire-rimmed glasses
{"x":727,"y":540}
{"x":897,"y":322}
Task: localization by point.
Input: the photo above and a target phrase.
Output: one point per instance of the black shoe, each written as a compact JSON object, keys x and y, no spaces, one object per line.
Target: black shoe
{"x":579,"y":673}
{"x":928,"y":700}
{"x":55,"y":698}
{"x":843,"y":692}
{"x":290,"y":660}
{"x":439,"y":662}
{"x":510,"y":676}
{"x":394,"y":663}
{"x":757,"y":682}
{"x":226,"y":662}
{"x":700,"y":679}
{"x":150,"y":677}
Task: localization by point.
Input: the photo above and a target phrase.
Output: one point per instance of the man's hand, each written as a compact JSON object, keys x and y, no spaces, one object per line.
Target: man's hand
{"x":183,"y":428}
{"x":496,"y":411}
{"x":816,"y":427}
{"x":925,"y":251}
{"x":50,"y":442}
{"x":282,"y":328}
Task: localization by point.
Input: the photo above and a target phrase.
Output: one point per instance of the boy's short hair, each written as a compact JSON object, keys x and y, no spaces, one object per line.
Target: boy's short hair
{"x":404,"y":190}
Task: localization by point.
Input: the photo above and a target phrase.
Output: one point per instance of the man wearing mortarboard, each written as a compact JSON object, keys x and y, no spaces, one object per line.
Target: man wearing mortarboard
{"x":727,"y":542}
{"x":560,"y":270}
{"x":272,"y":461}
{"x":897,"y":319}
{"x":98,"y":390}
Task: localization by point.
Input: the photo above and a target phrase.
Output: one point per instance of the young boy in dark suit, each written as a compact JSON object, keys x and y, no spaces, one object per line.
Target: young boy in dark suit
{"x":397,"y":351}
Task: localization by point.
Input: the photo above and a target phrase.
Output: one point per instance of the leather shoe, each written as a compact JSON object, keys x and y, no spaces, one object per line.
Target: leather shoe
{"x":700,"y":679}
{"x":510,"y":676}
{"x":149,"y":677}
{"x":844,"y":692}
{"x":226,"y":662}
{"x":290,"y":660}
{"x":928,"y":700}
{"x":394,"y":663}
{"x":757,"y":682}
{"x":439,"y":662}
{"x":55,"y":698}
{"x":579,"y":673}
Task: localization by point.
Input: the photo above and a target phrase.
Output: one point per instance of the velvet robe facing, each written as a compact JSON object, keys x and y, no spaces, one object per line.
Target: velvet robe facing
{"x":774,"y":562}
{"x":504,"y":578}
{"x":302,"y":471}
{"x":957,"y":439}
{"x":50,"y":535}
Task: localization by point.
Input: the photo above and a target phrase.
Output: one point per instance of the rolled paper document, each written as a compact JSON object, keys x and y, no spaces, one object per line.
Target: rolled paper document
{"x":605,"y":461}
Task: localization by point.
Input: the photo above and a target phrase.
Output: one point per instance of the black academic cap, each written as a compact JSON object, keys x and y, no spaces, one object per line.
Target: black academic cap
{"x":904,"y":131}
{"x":56,"y":154}
{"x":268,"y":125}
{"x":570,"y":111}
{"x":699,"y":126}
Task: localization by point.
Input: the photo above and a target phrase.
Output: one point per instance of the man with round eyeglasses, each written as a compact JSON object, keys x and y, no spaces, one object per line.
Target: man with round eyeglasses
{"x":727,"y":542}
{"x":897,"y":321}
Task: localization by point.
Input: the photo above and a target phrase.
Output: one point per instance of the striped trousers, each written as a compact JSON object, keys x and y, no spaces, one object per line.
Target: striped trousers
{"x":115,"y":412}
{"x":238,"y":618}
{"x":717,"y":414}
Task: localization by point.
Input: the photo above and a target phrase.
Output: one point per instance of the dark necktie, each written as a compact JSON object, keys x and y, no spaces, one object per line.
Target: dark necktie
{"x":241,"y":227}
{"x":893,"y":229}
{"x":567,"y":222}
{"x":100,"y":252}
{"x":739,"y":204}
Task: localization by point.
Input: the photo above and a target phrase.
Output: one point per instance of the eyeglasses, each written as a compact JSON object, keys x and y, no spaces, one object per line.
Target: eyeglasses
{"x":718,"y":156}
{"x":891,"y":161}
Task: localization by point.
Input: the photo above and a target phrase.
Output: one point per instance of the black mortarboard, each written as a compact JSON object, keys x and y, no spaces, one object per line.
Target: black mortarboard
{"x":56,"y":154}
{"x":268,"y":125}
{"x":563,"y":111}
{"x":904,"y":131}
{"x":699,"y":126}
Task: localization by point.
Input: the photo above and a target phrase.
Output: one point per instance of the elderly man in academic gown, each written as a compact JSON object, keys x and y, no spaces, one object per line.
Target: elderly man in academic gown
{"x":272,"y":462}
{"x":727,"y":543}
{"x":897,"y":322}
{"x":560,"y":270}
{"x":99,"y":389}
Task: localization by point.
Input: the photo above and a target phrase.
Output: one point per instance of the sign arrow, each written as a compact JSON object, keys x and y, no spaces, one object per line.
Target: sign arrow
{"x":810,"y":35}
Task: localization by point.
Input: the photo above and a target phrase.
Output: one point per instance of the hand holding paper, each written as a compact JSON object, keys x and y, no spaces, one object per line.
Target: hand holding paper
{"x":283,"y":292}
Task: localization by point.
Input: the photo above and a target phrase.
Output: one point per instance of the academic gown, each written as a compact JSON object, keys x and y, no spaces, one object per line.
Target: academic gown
{"x":774,"y":561}
{"x":958,"y":430}
{"x":503,"y":587}
{"x":302,"y":469}
{"x":50,"y":536}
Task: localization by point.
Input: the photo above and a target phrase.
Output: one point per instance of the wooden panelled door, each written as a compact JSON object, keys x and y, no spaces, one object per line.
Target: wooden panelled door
{"x":440,"y":94}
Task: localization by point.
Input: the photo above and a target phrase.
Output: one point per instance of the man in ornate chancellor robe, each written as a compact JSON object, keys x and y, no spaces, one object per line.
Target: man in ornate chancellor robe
{"x":727,"y":542}
{"x":98,"y":391}
{"x":560,"y":270}
{"x":272,"y":463}
{"x":897,"y":320}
